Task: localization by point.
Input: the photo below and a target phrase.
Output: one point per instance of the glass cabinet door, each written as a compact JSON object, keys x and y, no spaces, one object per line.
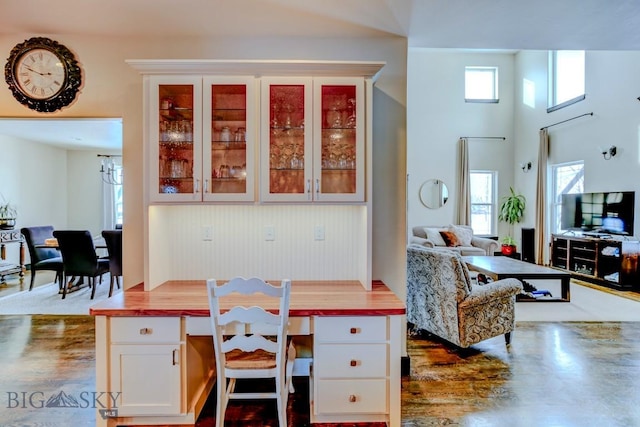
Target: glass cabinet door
{"x":287,"y":155}
{"x":176,"y":148}
{"x":339,"y":140}
{"x":228,"y":157}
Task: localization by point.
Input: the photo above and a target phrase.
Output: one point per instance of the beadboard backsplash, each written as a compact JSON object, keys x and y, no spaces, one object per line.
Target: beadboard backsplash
{"x":178,"y":249}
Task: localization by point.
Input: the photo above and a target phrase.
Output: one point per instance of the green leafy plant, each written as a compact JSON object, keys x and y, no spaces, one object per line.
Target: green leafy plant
{"x":511,"y":211}
{"x":8,"y":214}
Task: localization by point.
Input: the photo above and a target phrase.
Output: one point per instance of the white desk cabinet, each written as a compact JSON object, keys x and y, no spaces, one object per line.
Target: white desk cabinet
{"x":155,"y":349}
{"x":351,"y":374}
{"x":145,"y":359}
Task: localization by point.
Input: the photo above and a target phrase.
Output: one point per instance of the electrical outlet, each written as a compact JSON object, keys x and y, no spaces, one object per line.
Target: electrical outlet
{"x":207,"y":232}
{"x":269,"y":233}
{"x":318,"y":232}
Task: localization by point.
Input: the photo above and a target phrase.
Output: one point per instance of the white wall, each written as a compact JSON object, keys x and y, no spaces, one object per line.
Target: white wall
{"x":33,"y":177}
{"x":437,"y":116}
{"x":50,"y":186}
{"x":612,"y":88}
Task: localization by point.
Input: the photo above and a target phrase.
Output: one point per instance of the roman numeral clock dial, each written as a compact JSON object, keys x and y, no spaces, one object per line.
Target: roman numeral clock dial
{"x":43,"y":74}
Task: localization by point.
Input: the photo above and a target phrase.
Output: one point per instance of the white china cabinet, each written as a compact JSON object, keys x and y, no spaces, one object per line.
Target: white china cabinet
{"x":312,"y":137}
{"x":204,"y":118}
{"x":201,"y":138}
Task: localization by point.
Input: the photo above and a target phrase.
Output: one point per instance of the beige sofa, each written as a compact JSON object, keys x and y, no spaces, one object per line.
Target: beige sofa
{"x":428,"y":236}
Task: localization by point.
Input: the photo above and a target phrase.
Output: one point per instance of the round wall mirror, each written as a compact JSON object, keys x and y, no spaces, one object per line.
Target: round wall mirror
{"x":434,"y":193}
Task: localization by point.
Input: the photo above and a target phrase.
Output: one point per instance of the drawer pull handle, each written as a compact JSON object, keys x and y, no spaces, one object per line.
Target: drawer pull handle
{"x":352,"y":398}
{"x":353,"y":362}
{"x":146,"y":331}
{"x":174,"y":359}
{"x":353,"y":330}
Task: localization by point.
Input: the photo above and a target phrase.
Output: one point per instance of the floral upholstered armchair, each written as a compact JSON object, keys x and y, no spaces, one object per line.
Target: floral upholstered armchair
{"x":442,"y":300}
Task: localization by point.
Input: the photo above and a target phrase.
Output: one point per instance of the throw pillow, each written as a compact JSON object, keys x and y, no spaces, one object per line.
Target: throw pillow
{"x":450,"y":238}
{"x":433,"y":234}
{"x":463,"y":234}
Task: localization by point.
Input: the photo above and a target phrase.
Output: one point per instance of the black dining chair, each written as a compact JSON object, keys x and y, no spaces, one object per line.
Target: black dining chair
{"x":113,"y":240}
{"x":42,"y":258}
{"x":79,"y":257}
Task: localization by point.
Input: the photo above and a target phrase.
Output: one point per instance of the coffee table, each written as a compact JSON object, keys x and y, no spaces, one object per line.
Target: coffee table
{"x":502,"y":267}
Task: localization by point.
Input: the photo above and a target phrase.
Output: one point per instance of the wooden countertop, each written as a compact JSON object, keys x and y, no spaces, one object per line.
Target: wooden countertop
{"x":308,"y":298}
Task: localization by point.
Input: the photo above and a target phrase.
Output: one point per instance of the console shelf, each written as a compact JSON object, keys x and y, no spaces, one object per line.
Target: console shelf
{"x":608,"y":262}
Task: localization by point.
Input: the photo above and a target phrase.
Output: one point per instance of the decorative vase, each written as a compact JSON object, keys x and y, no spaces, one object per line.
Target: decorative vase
{"x":508,"y":250}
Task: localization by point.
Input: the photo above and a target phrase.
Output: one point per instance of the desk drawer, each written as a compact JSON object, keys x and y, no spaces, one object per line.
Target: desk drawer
{"x":350,"y":328}
{"x":351,"y":397}
{"x":202,"y":326}
{"x":138,"y":330}
{"x":351,"y":361}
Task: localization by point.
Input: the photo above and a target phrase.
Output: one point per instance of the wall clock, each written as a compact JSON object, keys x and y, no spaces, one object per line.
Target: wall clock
{"x":43,"y":74}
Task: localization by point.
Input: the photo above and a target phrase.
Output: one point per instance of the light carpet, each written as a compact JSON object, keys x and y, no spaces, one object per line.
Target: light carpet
{"x":45,"y":299}
{"x":587,"y":305}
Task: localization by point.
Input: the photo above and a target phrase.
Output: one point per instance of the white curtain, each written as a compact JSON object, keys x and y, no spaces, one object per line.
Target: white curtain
{"x":463,"y":216}
{"x":108,"y":205}
{"x":541,"y":198}
{"x":109,"y":200}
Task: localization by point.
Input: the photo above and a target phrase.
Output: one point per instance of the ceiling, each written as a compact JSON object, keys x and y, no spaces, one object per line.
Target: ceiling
{"x":460,"y":24}
{"x":489,"y":24}
{"x":72,"y":134}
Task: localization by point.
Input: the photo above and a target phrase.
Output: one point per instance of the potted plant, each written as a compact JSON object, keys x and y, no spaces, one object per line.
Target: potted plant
{"x":511,"y":212}
{"x":8,"y":214}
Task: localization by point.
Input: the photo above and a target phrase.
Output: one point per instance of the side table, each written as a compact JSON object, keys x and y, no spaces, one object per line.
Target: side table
{"x":11,"y":236}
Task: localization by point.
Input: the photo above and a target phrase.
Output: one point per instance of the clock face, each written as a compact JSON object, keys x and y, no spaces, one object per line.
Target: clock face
{"x":43,"y":75}
{"x":40,"y":73}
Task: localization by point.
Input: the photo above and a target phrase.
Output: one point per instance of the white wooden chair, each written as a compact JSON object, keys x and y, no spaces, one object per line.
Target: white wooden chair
{"x":251,"y":342}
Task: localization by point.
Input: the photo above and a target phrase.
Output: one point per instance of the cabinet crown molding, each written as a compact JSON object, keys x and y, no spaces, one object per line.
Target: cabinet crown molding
{"x":259,"y":67}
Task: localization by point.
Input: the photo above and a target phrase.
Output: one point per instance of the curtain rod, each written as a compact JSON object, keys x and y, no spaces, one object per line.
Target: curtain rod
{"x":568,"y":120}
{"x":484,"y":137}
{"x":109,"y":155}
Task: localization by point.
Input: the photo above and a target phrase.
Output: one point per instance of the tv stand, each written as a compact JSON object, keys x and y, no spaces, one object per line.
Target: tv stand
{"x":609,"y":262}
{"x":596,"y":234}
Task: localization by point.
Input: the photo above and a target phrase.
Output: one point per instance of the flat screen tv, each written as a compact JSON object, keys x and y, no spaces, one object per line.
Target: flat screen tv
{"x":606,"y":213}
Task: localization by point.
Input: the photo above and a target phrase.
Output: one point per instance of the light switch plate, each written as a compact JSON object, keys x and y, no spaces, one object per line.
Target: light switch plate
{"x":207,"y":232}
{"x":269,"y":233}
{"x":318,"y":232}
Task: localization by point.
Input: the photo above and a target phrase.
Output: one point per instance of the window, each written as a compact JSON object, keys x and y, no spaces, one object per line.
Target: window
{"x":566,"y":178}
{"x":118,"y":201}
{"x":566,"y":78}
{"x":483,"y":201}
{"x":481,"y":84}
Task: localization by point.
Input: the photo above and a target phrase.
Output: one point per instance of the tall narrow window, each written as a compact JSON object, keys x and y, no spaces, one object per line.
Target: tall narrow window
{"x":566,"y":178}
{"x":118,"y":200}
{"x":481,"y":84}
{"x":566,"y":78}
{"x":483,"y":201}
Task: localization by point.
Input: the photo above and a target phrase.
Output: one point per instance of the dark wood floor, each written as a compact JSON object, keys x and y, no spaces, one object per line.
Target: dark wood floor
{"x":553,"y":374}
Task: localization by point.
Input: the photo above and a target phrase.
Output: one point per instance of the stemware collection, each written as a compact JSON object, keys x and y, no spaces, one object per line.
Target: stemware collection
{"x":286,"y":145}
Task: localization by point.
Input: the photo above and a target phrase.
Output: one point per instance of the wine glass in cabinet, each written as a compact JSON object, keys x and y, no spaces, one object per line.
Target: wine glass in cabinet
{"x":312,"y":140}
{"x":175,"y":138}
{"x":229,"y":139}
{"x":339,"y":145}
{"x":286,"y":156}
{"x":202,"y":139}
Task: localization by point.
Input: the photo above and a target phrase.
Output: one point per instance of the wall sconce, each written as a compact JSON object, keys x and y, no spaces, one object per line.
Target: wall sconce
{"x":526,"y":167}
{"x":608,"y":153}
